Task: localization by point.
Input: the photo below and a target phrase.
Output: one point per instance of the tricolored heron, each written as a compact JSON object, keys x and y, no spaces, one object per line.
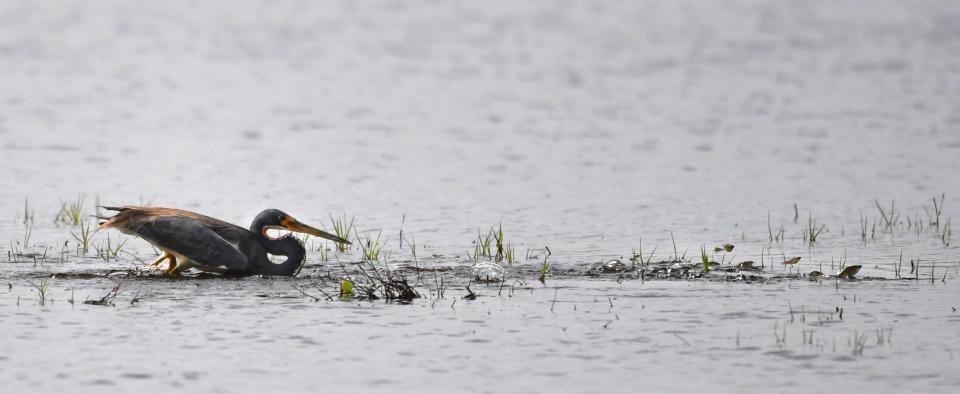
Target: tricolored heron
{"x":189,"y":239}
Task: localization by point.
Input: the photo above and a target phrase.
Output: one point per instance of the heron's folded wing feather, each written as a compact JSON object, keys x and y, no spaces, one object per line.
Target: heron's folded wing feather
{"x":193,"y":240}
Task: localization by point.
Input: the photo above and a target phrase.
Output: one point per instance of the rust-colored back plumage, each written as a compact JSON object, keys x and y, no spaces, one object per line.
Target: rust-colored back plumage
{"x":129,"y":217}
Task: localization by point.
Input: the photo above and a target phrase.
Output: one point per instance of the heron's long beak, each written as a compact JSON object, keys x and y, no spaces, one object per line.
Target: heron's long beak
{"x":295,"y":226}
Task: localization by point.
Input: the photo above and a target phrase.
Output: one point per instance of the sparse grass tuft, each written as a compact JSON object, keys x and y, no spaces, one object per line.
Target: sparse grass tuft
{"x":546,"y":267}
{"x":778,"y":236}
{"x":937,"y":210}
{"x":810,"y":236}
{"x":859,"y":343}
{"x":109,"y":249}
{"x":891,"y":217}
{"x":70,"y":213}
{"x":483,"y":246}
{"x":704,"y":258}
{"x":83,"y":240}
{"x":637,"y":257}
{"x":370,"y":247}
{"x":41,"y":290}
{"x":543,"y":271}
{"x":342,"y":229}
{"x":390,"y":286}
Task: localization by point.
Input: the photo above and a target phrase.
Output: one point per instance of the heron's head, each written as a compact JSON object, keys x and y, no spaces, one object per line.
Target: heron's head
{"x":275,"y":219}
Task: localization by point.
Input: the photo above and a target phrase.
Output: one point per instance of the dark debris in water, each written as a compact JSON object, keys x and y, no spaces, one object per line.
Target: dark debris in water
{"x":745,"y":271}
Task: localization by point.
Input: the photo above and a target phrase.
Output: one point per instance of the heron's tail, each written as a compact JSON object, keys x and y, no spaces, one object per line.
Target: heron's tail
{"x":110,"y":221}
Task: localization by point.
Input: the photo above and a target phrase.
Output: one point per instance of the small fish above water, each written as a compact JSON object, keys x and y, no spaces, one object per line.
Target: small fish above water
{"x":746,"y":265}
{"x":792,"y":261}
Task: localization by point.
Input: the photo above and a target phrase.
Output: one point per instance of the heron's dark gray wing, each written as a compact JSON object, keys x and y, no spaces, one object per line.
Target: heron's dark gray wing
{"x":189,"y":238}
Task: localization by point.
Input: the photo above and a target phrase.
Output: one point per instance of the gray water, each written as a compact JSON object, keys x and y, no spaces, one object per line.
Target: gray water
{"x":589,"y":128}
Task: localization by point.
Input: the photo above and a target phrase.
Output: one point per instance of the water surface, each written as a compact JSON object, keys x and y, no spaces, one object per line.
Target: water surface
{"x":591,"y":129}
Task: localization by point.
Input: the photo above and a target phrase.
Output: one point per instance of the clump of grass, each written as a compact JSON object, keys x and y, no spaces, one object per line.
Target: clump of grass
{"x":891,"y":217}
{"x":546,"y":267}
{"x":70,"y":213}
{"x":83,"y":240}
{"x":370,"y":247}
{"x":778,"y":236}
{"x":342,"y":229}
{"x":42,"y":288}
{"x":859,"y":343}
{"x":498,"y":237}
{"x":109,"y":249}
{"x":937,"y":210}
{"x":637,"y":257}
{"x":412,"y":243}
{"x":390,"y":286}
{"x":543,"y":271}
{"x":810,"y":236}
{"x":483,"y":246}
{"x":781,"y":338}
{"x":704,"y":258}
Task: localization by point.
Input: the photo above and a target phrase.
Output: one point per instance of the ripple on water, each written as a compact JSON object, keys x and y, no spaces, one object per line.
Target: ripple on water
{"x":789,"y":354}
{"x":98,"y":382}
{"x":136,"y":375}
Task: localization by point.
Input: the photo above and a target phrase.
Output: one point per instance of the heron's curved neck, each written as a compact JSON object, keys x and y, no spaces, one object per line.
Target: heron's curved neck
{"x":285,"y":246}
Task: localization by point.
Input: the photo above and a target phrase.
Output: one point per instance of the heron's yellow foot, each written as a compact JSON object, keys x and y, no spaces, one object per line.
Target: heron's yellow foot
{"x":161,"y":259}
{"x":172,"y":267}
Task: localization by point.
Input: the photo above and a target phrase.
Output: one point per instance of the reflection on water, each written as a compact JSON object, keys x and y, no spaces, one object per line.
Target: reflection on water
{"x":601,"y":131}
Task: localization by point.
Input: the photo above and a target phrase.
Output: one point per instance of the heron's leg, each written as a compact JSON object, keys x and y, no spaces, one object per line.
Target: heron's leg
{"x":161,"y":259}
